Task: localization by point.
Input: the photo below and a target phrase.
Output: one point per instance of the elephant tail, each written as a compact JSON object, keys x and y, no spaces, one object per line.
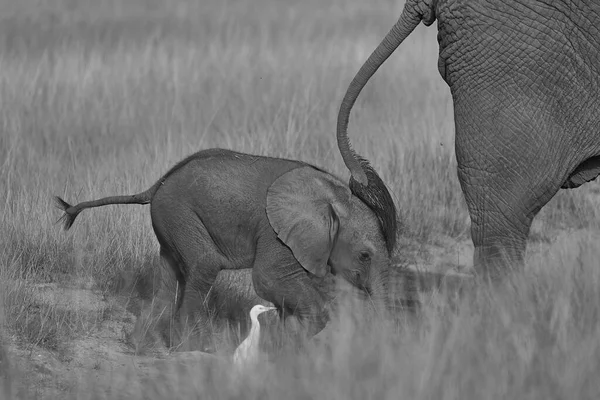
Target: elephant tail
{"x":71,"y":212}
{"x":414,"y":12}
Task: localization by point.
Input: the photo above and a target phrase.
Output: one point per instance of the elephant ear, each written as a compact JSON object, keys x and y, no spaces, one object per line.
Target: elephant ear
{"x":303,"y":207}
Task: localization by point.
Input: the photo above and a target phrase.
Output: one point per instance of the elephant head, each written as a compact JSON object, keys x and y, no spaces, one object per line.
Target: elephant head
{"x":328,"y":228}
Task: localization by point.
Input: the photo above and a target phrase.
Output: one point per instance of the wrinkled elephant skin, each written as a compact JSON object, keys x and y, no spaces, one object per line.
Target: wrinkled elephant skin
{"x":292,"y":223}
{"x":525,"y":82}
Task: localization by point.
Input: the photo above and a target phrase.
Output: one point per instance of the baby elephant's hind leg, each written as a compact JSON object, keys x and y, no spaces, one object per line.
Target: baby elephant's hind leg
{"x":159,"y":299}
{"x":196,"y":262}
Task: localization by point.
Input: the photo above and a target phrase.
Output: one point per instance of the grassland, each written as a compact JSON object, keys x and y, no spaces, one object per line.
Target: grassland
{"x":100,"y":97}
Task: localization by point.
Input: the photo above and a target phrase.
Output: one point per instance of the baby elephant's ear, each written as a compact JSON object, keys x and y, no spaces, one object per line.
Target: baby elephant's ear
{"x":303,"y":207}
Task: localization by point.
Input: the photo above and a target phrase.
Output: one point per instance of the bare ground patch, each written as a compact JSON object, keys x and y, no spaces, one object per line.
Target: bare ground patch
{"x":100,"y":350}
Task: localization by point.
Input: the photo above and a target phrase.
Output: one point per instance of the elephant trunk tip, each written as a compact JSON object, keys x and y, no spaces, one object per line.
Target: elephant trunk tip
{"x":70,"y":213}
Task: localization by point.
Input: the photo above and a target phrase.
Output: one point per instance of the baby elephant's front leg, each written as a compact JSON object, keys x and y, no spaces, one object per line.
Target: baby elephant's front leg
{"x":279,"y":278}
{"x":300,"y":301}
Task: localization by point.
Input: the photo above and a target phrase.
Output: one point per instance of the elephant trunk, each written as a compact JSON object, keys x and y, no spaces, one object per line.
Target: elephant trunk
{"x":377,"y":289}
{"x":408,"y":21}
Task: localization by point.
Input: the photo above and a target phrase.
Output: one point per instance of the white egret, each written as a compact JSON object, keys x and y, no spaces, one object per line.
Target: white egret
{"x":248,"y":350}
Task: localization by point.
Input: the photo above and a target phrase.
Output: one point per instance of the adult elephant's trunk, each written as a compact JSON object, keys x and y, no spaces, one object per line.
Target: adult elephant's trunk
{"x":414,"y":12}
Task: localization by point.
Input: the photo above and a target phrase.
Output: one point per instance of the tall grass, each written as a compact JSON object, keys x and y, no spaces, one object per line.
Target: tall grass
{"x":101,"y":97}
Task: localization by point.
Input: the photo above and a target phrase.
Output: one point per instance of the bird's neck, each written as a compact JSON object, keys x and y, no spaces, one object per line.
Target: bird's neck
{"x":254,"y":329}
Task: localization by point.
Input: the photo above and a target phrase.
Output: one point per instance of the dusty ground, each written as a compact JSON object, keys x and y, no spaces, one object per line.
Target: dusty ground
{"x":106,"y":354}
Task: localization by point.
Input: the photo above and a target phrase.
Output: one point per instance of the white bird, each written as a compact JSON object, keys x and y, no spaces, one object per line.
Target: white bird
{"x":248,"y":350}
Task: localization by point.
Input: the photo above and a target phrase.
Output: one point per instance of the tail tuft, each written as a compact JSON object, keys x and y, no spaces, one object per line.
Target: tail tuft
{"x":69,"y":217}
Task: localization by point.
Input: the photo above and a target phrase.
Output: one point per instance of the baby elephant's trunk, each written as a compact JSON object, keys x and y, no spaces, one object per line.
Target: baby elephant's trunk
{"x":377,"y":291}
{"x":370,"y":294}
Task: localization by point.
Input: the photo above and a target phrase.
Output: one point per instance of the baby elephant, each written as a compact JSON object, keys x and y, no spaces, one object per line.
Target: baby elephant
{"x":289,"y":221}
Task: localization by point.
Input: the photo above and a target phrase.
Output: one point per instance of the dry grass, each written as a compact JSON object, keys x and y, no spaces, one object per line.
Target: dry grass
{"x":101,"y":97}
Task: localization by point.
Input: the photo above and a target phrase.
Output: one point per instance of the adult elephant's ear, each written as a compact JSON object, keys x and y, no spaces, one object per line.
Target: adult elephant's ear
{"x":303,"y":207}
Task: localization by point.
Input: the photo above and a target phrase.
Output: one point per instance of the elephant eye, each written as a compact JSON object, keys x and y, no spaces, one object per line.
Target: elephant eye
{"x":364,"y":256}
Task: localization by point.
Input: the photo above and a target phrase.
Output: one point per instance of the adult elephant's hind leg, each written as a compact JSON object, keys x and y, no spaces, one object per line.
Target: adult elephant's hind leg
{"x":502,"y":208}
{"x":507,"y":167}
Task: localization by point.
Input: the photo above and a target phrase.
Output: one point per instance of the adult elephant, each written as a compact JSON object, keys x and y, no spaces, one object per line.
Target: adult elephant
{"x":524,"y":77}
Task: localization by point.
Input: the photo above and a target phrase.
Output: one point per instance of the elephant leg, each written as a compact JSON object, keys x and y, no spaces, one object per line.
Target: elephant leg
{"x":502,"y":207}
{"x":298,"y":300}
{"x":159,"y":307}
{"x":279,"y":278}
{"x":509,"y":164}
{"x":196,"y":261}
{"x":177,"y":272}
{"x":201,"y":265}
